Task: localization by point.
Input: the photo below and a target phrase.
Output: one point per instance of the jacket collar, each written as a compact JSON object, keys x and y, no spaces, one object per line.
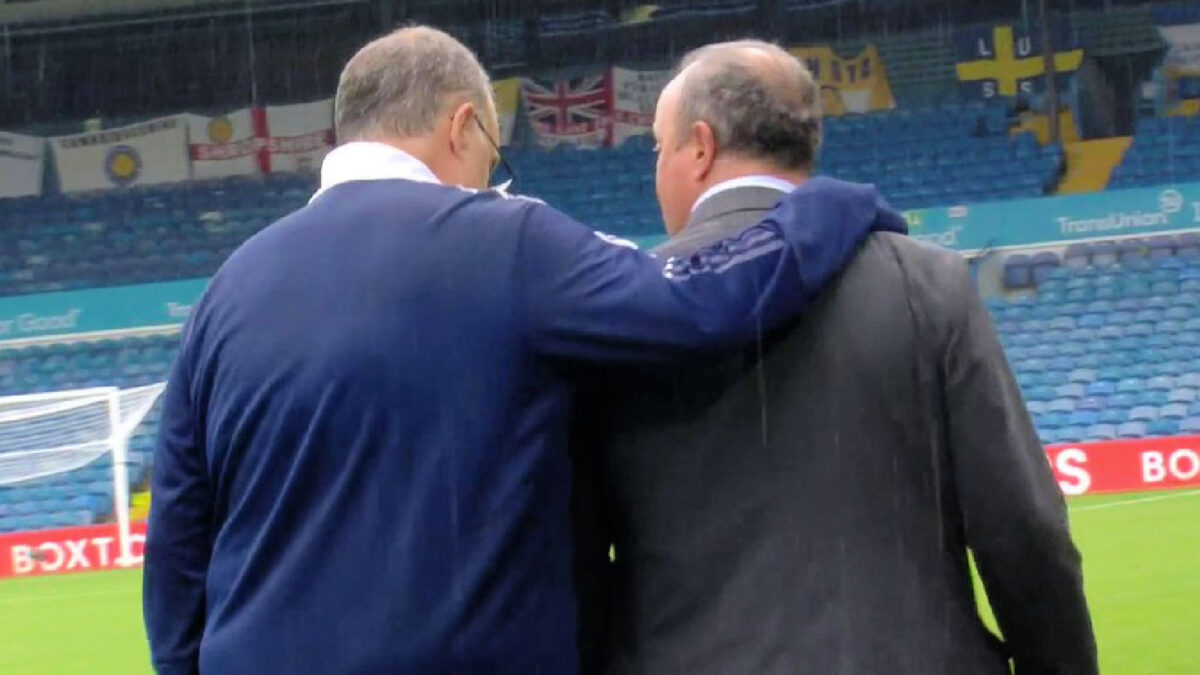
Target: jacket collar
{"x":756,"y":180}
{"x":364,"y":160}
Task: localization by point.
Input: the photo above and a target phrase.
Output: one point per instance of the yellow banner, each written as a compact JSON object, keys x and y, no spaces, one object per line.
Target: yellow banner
{"x":848,"y":85}
{"x":508,"y":99}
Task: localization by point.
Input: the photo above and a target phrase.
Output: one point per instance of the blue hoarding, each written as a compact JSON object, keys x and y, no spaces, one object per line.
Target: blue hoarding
{"x":1053,"y":220}
{"x":98,"y":309}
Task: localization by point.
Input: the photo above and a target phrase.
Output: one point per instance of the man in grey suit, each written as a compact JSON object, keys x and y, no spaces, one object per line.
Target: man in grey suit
{"x":808,"y":507}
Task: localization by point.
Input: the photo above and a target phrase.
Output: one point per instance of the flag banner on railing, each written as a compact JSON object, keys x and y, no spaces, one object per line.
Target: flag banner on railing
{"x":1008,"y":60}
{"x":849,"y":84}
{"x":508,"y":100}
{"x":571,"y":110}
{"x":138,"y":154}
{"x":300,"y":136}
{"x":635,"y":94}
{"x":227,"y":145}
{"x":21,"y":161}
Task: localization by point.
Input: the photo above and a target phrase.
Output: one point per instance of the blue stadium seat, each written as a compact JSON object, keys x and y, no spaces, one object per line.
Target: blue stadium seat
{"x":1151,"y":398}
{"x":1163,"y":427}
{"x":1130,"y":385}
{"x":1083,"y":376}
{"x":1189,"y":380}
{"x":1102,"y":432}
{"x":1182,"y":395}
{"x":1072,"y":434}
{"x":1132,"y":430}
{"x":1071,"y":390}
{"x":1050,"y":436}
{"x":1061,"y":405}
{"x":1161,"y":383}
{"x":1175,"y":411}
{"x":1143,"y":413}
{"x":1083,"y":418}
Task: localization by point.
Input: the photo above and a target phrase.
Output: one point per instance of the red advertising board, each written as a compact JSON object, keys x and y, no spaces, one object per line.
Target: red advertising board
{"x":1127,"y":466}
{"x":1084,"y":468}
{"x":75,"y":549}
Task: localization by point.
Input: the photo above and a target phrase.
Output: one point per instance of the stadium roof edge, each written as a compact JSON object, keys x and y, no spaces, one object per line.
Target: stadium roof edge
{"x":60,"y":12}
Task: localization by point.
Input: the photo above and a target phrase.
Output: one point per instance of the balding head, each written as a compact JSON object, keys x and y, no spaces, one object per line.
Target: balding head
{"x":422,"y":91}
{"x":760,"y":101}
{"x":398,"y":85}
{"x":734,"y":109}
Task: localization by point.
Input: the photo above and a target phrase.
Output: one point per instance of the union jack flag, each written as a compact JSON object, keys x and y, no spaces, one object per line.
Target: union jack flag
{"x":576,"y":108}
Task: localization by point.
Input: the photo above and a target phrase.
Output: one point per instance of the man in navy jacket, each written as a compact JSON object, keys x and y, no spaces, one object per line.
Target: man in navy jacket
{"x":362,"y":463}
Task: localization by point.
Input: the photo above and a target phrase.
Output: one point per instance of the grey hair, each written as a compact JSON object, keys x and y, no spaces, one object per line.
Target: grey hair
{"x":760,"y":101}
{"x":398,"y":84}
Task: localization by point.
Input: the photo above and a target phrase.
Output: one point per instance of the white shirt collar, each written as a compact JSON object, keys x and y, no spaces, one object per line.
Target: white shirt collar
{"x":365,"y":160}
{"x":763,"y":181}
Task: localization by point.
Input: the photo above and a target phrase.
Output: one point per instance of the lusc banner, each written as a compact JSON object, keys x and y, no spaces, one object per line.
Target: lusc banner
{"x":1060,"y":220}
{"x":98,"y":309}
{"x":300,"y":136}
{"x":854,"y":84}
{"x":1126,"y":466}
{"x":635,"y":94}
{"x":227,"y":145}
{"x":1007,"y":61}
{"x":139,"y":154}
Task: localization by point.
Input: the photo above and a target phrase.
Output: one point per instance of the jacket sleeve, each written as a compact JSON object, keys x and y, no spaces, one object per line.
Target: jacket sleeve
{"x":1013,"y":511}
{"x":178,"y":538}
{"x":588,"y":297}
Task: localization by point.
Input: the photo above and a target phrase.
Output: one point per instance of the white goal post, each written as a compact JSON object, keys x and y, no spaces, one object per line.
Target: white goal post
{"x":53,"y":433}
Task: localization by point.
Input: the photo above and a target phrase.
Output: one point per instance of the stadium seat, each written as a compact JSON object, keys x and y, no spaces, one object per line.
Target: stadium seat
{"x":1143,"y":413}
{"x":1151,"y":398}
{"x":1083,"y":418}
{"x":1071,"y":390}
{"x":1061,"y":405}
{"x":1175,"y":411}
{"x":1163,"y":427}
{"x":1161,"y":383}
{"x":1132,"y":430}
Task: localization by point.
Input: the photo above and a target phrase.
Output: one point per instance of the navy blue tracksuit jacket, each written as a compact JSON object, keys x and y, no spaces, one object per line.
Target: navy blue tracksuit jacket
{"x":362,"y":463}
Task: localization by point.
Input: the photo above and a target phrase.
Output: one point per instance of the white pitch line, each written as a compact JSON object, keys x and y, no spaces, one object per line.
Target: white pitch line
{"x":67,"y":596}
{"x":1140,"y":500}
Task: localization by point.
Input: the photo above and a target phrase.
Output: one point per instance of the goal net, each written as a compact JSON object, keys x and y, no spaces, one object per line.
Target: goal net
{"x":55,"y":433}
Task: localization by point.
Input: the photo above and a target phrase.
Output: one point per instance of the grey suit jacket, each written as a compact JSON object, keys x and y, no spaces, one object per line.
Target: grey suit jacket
{"x":807,"y":507}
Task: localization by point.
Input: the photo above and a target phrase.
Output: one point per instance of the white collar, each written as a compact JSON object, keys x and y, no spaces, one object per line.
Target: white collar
{"x":763,"y":181}
{"x":366,"y":160}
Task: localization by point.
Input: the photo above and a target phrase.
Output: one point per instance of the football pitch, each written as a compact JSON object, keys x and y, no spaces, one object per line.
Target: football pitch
{"x":1141,"y":559}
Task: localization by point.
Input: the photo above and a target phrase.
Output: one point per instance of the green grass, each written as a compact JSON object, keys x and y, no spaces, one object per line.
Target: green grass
{"x":1141,"y":564}
{"x":1141,"y":571}
{"x":73,"y":624}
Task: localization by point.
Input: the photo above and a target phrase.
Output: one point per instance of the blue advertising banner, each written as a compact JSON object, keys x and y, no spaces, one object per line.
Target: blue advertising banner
{"x":1060,"y":220}
{"x":98,"y":309}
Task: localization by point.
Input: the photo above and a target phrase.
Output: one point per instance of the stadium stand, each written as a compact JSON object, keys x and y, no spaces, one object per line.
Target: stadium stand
{"x":923,"y":157}
{"x":1105,"y":342}
{"x":930,"y":156}
{"x":85,"y":495}
{"x":153,"y":233}
{"x":1164,"y":149}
